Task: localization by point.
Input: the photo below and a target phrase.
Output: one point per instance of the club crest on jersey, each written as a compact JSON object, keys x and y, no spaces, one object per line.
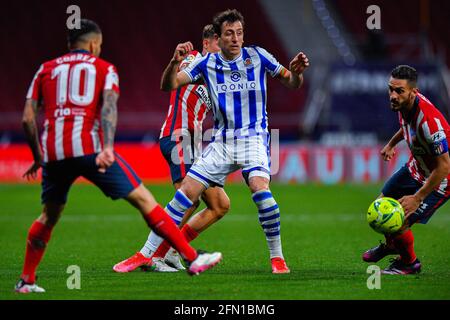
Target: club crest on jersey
{"x":248,"y":63}
{"x":190,"y":58}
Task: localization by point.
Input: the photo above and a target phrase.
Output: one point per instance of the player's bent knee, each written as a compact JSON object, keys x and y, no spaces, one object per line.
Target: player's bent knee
{"x":258,"y":183}
{"x":191,"y":188}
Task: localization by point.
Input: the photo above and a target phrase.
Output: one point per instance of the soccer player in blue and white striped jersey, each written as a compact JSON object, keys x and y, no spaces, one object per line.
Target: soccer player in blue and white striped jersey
{"x":236,"y":81}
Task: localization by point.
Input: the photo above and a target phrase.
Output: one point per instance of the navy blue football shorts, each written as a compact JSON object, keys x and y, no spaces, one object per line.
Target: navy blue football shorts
{"x":58,"y":176}
{"x":402,"y":184}
{"x":179,"y":156}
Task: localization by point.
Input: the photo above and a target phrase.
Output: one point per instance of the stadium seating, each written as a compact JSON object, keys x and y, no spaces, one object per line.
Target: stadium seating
{"x":405,"y":22}
{"x":139,"y":38}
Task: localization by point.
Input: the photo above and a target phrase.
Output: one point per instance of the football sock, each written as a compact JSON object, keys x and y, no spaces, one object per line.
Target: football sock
{"x":189,"y":233}
{"x":389,"y":241}
{"x":404,"y":243}
{"x":269,"y":218}
{"x":38,"y":237}
{"x":176,"y":209}
{"x":150,"y":245}
{"x":164,"y":226}
{"x":162,"y":250}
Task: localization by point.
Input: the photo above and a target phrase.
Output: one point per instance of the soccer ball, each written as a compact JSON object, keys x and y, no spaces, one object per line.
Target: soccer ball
{"x":385,"y":215}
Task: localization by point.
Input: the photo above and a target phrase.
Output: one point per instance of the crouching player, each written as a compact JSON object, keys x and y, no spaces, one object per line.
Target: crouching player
{"x":422,"y":185}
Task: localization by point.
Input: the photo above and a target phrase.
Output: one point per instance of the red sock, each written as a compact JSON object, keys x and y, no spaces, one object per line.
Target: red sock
{"x":38,"y":237}
{"x":389,"y":241}
{"x":404,"y":243}
{"x":189,"y":233}
{"x":162,"y":249}
{"x":163,"y":225}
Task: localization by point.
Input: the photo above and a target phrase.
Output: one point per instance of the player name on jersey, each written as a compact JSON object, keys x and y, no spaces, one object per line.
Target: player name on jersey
{"x":70,"y":90}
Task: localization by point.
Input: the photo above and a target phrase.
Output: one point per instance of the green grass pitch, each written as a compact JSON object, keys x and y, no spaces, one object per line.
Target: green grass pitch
{"x":324,"y":232}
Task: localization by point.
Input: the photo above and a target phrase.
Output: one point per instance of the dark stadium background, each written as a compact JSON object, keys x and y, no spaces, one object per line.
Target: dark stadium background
{"x":343,"y":102}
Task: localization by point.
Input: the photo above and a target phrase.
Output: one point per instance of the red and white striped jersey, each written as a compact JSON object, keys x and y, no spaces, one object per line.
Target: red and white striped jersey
{"x":70,"y":89}
{"x":426,"y":134}
{"x":188,"y":106}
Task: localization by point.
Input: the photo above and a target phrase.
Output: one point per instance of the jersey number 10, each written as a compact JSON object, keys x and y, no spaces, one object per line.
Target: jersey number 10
{"x":69,"y":84}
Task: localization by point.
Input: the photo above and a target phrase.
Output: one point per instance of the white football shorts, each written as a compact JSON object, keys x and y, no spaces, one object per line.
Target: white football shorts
{"x":219,"y":159}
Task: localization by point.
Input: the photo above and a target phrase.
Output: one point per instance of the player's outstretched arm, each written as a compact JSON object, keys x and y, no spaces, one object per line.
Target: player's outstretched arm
{"x":29,"y":124}
{"x":388,"y":151}
{"x":440,"y":172}
{"x":171,"y":78}
{"x":293,"y":78}
{"x":109,"y":122}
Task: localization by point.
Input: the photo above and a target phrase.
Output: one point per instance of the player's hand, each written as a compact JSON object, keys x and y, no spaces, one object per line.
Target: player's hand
{"x":299,"y":63}
{"x":410,"y":204}
{"x":105,"y":159}
{"x":387,"y":152}
{"x":182,"y":50}
{"x":32,"y":171}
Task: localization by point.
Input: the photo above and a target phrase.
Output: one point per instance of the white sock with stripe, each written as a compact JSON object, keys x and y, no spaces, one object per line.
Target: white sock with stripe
{"x":269,"y":218}
{"x":175,"y":209}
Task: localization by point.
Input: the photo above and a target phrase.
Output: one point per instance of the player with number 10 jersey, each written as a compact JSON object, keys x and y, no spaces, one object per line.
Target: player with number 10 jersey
{"x":78,"y":93}
{"x":72,"y":116}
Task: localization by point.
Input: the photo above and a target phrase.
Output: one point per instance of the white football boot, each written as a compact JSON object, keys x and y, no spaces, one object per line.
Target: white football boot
{"x":203,"y":262}
{"x":173,"y":259}
{"x":158,"y":265}
{"x":23,"y":287}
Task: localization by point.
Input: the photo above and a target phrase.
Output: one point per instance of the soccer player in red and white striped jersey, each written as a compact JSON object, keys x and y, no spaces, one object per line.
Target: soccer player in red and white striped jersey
{"x":180,"y":138}
{"x":78,"y":93}
{"x":188,"y":106}
{"x":427,"y":133}
{"x":72,"y":116}
{"x":422,"y":185}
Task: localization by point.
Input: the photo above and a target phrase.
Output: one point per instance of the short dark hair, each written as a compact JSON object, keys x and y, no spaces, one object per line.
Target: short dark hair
{"x":230,"y":15}
{"x":208,"y":32}
{"x":86,"y":26}
{"x":405,"y":72}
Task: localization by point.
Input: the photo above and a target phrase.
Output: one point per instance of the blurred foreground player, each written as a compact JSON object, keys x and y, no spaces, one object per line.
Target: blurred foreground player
{"x":180,"y":135}
{"x":79,"y":93}
{"x":422,"y":185}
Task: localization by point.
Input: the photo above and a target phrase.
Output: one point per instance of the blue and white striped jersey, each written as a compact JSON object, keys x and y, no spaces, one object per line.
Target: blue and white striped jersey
{"x":238,"y":89}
